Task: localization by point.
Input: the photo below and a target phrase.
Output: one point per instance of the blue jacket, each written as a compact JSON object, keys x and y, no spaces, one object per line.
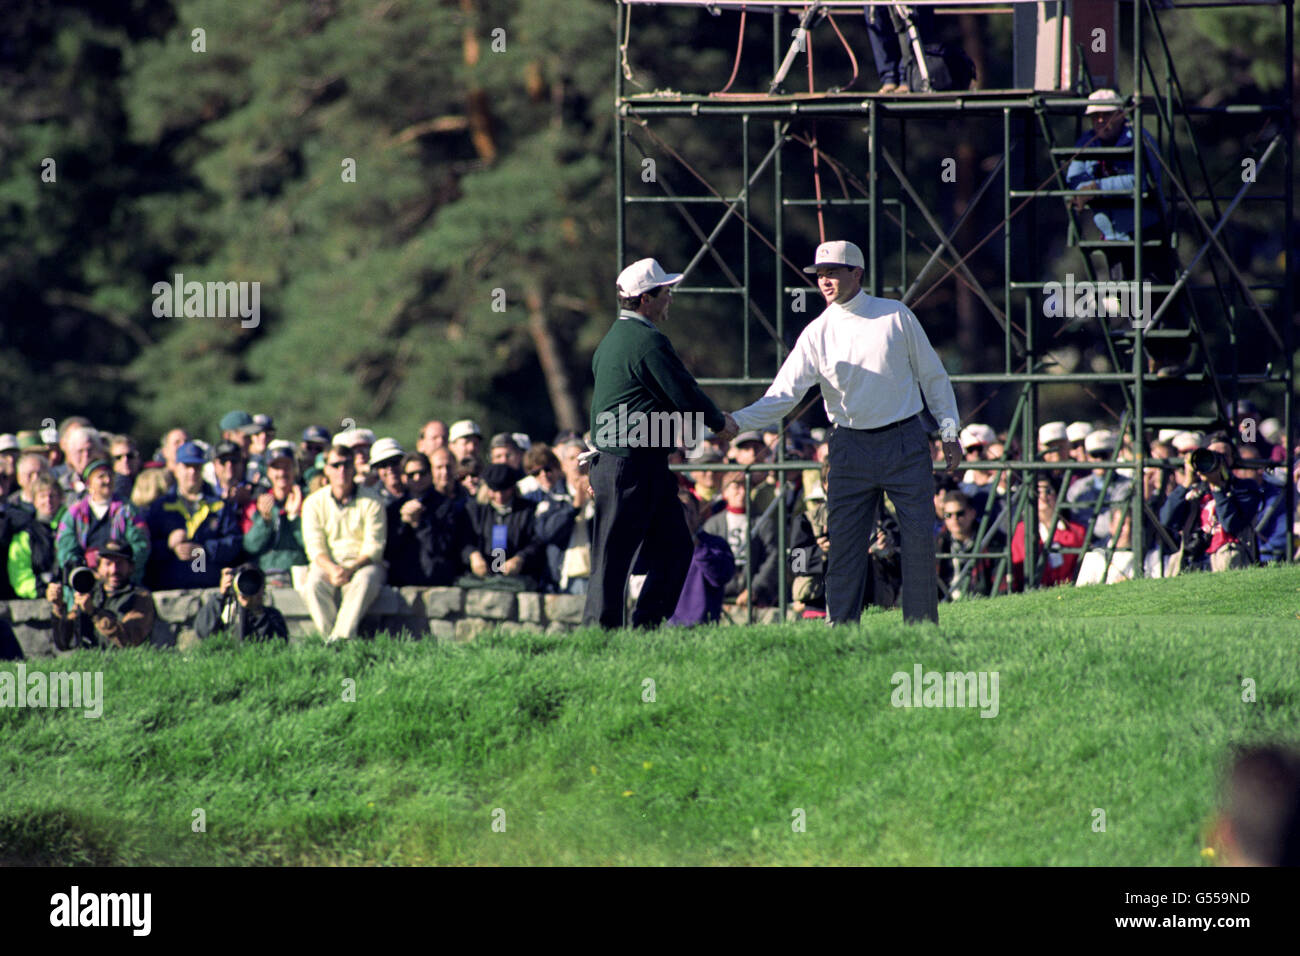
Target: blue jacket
{"x":1114,"y":172}
{"x":210,"y":523}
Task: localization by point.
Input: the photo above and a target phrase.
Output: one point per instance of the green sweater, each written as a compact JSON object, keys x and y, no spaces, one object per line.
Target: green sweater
{"x":639,"y":379}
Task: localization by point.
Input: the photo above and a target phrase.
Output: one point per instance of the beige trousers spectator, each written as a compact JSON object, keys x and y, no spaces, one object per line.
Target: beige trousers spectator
{"x":321,"y":598}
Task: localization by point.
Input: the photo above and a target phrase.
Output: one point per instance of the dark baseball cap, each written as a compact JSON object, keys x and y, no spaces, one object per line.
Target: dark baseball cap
{"x":190,"y":454}
{"x":226,"y":449}
{"x":239,"y":421}
{"x":117,"y":549}
{"x":316,"y":433}
{"x":501,"y":477}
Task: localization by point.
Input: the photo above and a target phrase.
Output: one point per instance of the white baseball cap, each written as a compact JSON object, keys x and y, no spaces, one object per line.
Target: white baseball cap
{"x":977,"y":434}
{"x":1103,"y":101}
{"x":1187,"y":441}
{"x":1167,"y":435}
{"x":385,"y":449}
{"x":1101,"y":440}
{"x":463,"y":429}
{"x":644,"y":275}
{"x":1052,"y":431}
{"x":1078,"y":431}
{"x":280,"y":449}
{"x":837,"y":253}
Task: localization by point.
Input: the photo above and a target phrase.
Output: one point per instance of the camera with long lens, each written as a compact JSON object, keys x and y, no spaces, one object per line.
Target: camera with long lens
{"x":81,"y":580}
{"x":1206,"y":461}
{"x":249,"y":581}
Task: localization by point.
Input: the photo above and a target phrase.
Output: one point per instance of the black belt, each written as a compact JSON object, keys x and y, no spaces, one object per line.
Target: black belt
{"x":883,"y":428}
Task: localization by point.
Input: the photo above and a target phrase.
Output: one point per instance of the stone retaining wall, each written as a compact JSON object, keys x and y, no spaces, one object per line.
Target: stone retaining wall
{"x":445,"y":614}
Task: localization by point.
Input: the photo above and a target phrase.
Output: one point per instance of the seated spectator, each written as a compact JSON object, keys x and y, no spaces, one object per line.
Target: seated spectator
{"x":1077,"y":433}
{"x":272,"y":525}
{"x":470,"y":476}
{"x":1212,"y":515}
{"x":542,"y":465}
{"x":258,"y":442}
{"x":1269,"y":523}
{"x":151,"y":485}
{"x":465,"y":439}
{"x":315,"y":441}
{"x":31,"y":554}
{"x":565,"y":525}
{"x":81,"y":445}
{"x":195,"y":533}
{"x":1055,"y":567}
{"x":31,"y":465}
{"x":707,"y":485}
{"x":229,"y":469}
{"x":423,"y":529}
{"x":237,"y":428}
{"x":386,"y":461}
{"x":344,"y":532}
{"x":746,"y":449}
{"x":97,"y":518}
{"x":712,"y":566}
{"x":500,"y":542}
{"x":964,"y":577}
{"x":125,"y":456}
{"x":809,"y":548}
{"x":358,"y":442}
{"x":445,"y":475}
{"x":976,"y":439}
{"x":240,"y":608}
{"x":1086,"y":490}
{"x":8,"y":465}
{"x":112,"y":613}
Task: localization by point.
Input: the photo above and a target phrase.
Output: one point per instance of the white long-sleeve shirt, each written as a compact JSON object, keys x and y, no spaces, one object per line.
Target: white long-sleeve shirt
{"x":869,"y":356}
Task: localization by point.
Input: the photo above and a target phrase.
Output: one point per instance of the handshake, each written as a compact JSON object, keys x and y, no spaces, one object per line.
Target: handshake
{"x":729,"y":430}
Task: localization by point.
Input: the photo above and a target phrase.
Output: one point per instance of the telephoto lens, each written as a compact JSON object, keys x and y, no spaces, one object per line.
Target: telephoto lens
{"x":82,"y":580}
{"x":249,"y":581}
{"x":1205,"y":461}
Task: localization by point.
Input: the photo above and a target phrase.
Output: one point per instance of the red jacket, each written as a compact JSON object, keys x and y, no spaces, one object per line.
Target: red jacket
{"x":1069,"y":534}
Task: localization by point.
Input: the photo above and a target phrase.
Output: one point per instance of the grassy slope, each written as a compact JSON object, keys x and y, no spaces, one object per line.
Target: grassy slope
{"x":1121,"y":698}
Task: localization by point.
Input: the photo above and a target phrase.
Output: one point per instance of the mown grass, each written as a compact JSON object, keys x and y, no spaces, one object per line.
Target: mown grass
{"x":1122,"y":698}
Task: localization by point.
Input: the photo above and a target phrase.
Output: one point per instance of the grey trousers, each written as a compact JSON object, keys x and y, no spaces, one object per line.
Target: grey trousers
{"x":862,"y":465}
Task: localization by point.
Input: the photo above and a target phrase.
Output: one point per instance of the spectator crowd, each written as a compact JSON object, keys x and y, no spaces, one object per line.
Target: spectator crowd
{"x":92,"y":526}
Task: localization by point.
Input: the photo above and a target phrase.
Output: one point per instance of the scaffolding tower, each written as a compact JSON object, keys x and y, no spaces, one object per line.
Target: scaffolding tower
{"x":1028,"y":175}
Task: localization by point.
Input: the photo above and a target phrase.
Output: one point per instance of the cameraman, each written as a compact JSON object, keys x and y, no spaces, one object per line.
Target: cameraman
{"x":1214,"y":510}
{"x":240,"y":608}
{"x":107,"y":611}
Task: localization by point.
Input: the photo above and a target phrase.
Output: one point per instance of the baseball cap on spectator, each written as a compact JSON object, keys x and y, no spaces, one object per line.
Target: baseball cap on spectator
{"x":226,"y":449}
{"x":362,"y":436}
{"x":191,"y":453}
{"x":264,"y":423}
{"x":706,"y":455}
{"x":9,"y":443}
{"x":280,"y":449}
{"x":1167,"y":435}
{"x":1052,"y":431}
{"x":818,"y":435}
{"x":94,"y":466}
{"x":977,"y":434}
{"x":1270,"y":428}
{"x":316,"y":434}
{"x":837,"y":253}
{"x":239,"y":421}
{"x":1078,"y":431}
{"x":1100,"y":440}
{"x":1187,"y":441}
{"x":522,"y":440}
{"x":746,"y":437}
{"x":384,"y":450}
{"x":346,"y":438}
{"x":31,"y":441}
{"x":503,"y":440}
{"x":1103,"y":101}
{"x":501,"y":477}
{"x":644,"y":275}
{"x":463,"y":429}
{"x":113,"y":548}
{"x":1245,"y":408}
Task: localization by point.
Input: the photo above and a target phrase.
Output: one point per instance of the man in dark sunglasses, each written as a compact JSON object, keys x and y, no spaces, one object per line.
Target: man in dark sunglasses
{"x":422,"y":529}
{"x":964,"y":577}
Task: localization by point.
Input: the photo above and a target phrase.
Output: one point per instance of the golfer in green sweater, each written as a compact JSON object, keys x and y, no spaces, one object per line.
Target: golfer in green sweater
{"x":644,"y":404}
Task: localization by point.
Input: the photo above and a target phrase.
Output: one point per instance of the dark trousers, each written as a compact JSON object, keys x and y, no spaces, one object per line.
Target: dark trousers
{"x":862,"y":466}
{"x":884,"y":35}
{"x":636,"y":507}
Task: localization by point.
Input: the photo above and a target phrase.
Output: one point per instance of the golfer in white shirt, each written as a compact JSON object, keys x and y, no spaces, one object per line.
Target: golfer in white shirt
{"x":873,"y":362}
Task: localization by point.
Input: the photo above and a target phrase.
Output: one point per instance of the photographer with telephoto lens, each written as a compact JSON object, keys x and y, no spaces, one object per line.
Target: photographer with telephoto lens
{"x":240,"y":608}
{"x":106,"y":610}
{"x":1213,"y":510}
